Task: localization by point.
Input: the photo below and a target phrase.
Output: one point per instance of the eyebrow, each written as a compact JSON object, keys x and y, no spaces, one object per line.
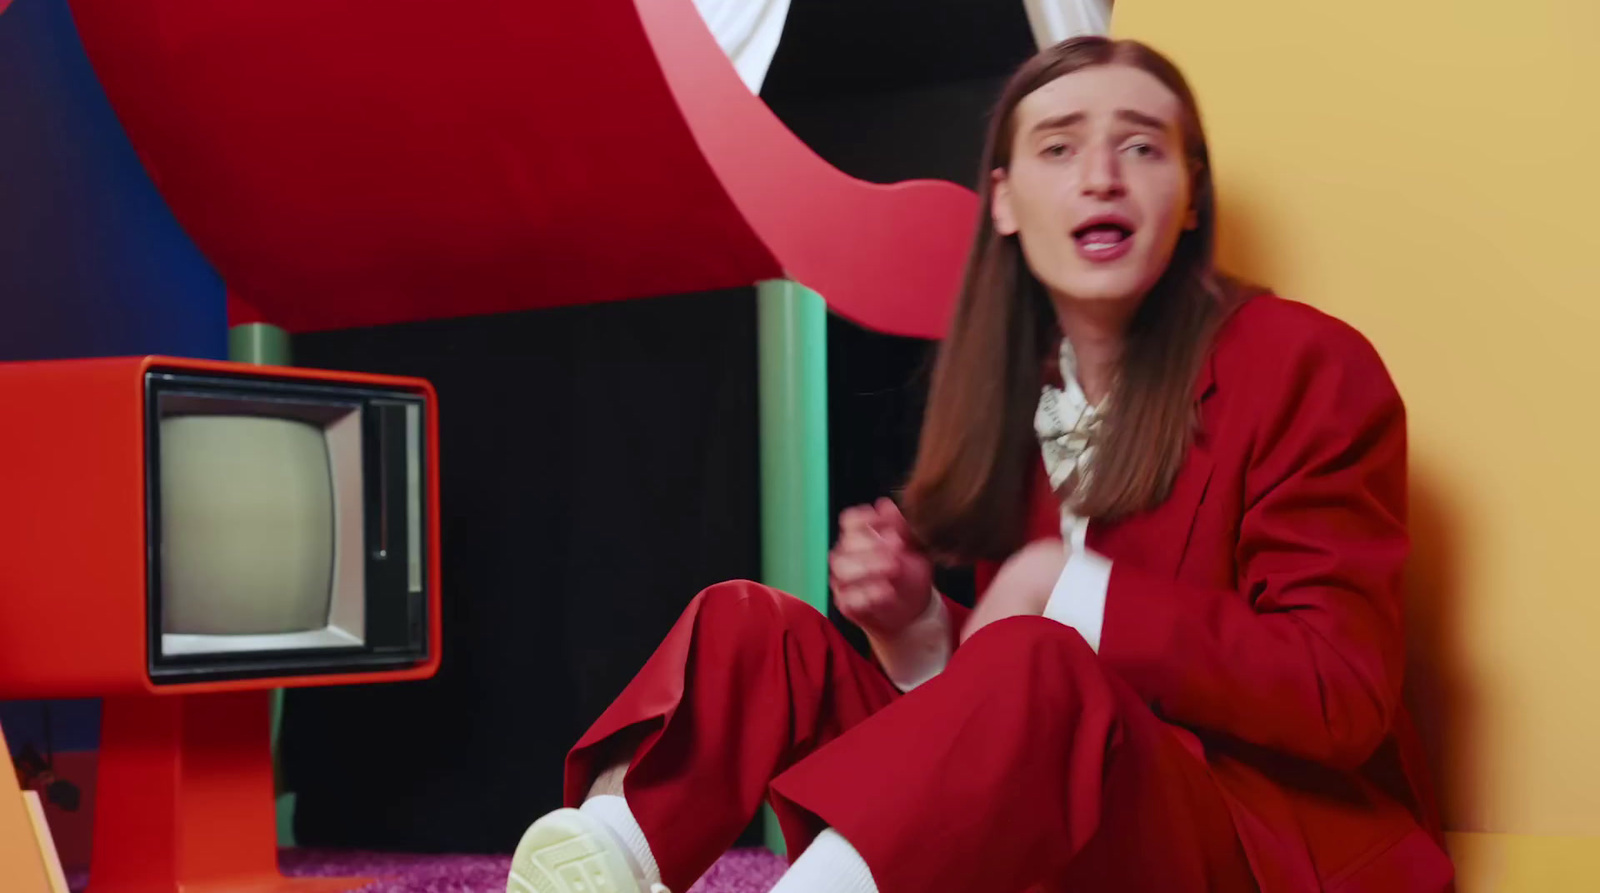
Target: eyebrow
{"x":1062,"y":122}
{"x":1143,"y":120}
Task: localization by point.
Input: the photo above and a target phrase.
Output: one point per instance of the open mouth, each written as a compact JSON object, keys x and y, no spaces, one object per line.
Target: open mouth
{"x":1104,"y":235}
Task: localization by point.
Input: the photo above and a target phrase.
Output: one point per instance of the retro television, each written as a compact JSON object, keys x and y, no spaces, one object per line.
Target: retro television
{"x":178,"y":537}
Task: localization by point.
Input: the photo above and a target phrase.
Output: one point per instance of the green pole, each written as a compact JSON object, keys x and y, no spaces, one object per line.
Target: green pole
{"x":260,"y":343}
{"x":268,"y":345}
{"x":793,"y":346}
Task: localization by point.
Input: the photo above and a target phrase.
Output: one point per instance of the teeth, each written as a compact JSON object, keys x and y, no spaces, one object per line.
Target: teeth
{"x":1102,"y":239}
{"x":1098,"y":233}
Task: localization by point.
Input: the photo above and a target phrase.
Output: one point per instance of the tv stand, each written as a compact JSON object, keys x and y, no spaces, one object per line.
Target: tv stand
{"x":184,"y":800}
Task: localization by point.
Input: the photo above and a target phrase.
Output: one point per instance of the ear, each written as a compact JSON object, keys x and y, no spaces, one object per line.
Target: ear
{"x":1191,"y":221}
{"x":1005,"y":218}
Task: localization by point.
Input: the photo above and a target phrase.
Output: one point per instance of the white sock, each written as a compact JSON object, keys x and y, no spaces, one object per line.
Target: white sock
{"x":613,"y":812}
{"x":829,"y":865}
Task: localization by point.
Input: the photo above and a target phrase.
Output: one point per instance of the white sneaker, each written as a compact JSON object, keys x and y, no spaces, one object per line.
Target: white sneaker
{"x":568,"y":851}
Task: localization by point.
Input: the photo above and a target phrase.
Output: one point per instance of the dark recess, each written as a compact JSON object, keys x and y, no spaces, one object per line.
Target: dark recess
{"x":600,"y":464}
{"x":598,"y":468}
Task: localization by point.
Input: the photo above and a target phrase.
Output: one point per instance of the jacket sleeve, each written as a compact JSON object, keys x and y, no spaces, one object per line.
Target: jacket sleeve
{"x":1306,"y":656}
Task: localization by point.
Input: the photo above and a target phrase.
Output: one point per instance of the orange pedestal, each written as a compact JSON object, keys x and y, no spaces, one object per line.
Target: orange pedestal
{"x":185,"y":799}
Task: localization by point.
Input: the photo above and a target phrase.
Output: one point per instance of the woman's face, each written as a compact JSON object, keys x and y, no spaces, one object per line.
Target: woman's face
{"x":1098,"y":189}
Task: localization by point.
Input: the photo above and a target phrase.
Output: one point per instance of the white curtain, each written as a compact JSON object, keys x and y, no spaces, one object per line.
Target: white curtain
{"x":748,"y":31}
{"x":1056,"y":20}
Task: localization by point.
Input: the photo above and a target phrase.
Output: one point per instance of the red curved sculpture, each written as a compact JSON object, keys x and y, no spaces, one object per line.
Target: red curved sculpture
{"x":345,"y":164}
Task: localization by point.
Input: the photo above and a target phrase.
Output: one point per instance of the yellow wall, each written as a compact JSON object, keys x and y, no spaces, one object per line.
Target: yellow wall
{"x":1430,"y":171}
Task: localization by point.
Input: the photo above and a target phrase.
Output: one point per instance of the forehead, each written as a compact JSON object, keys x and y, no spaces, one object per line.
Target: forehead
{"x":1097,"y":92}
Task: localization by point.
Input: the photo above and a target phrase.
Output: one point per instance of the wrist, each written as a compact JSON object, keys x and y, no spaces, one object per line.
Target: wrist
{"x":930,"y":612}
{"x":918,"y":650}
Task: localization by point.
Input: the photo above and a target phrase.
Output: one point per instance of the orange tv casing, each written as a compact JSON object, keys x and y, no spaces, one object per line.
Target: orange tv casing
{"x":185,"y":797}
{"x":73,"y":527}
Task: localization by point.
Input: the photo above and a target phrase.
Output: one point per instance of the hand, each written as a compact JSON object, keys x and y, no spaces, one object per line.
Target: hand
{"x":880,"y":581}
{"x":1021,"y":587}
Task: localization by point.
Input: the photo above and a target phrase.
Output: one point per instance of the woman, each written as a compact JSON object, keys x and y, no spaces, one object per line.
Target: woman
{"x":1187,"y":505}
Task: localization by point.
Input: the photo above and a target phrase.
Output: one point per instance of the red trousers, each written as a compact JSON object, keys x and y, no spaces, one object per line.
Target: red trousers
{"x":1022,"y":765}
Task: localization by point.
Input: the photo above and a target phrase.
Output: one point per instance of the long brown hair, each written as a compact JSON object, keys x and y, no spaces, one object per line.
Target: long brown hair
{"x":975,"y":462}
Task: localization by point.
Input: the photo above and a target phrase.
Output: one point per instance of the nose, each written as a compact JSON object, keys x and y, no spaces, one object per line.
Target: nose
{"x":1102,"y":174}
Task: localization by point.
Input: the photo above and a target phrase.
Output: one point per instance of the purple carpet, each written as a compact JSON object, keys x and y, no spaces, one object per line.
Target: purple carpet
{"x":740,"y":871}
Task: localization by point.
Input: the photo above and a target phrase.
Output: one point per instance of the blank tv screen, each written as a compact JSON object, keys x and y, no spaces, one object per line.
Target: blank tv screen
{"x":250,"y":514}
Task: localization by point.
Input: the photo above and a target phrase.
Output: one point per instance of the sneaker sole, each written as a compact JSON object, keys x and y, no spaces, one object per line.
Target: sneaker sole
{"x":565,"y":852}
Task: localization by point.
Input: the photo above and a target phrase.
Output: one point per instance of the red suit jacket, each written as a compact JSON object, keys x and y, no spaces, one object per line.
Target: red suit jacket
{"x":1258,"y":610}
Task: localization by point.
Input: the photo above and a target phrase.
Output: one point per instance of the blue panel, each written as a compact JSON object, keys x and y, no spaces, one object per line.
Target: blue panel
{"x":92,"y":262}
{"x":57,"y":725}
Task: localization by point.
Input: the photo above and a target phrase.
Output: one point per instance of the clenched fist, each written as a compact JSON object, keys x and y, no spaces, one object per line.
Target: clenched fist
{"x":881,"y":582}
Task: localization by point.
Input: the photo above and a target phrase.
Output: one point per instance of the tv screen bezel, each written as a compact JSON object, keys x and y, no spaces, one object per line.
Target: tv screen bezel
{"x":353,"y":659}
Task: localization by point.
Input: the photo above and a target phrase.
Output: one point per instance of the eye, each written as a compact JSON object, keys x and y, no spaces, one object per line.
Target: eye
{"x":1056,"y":150}
{"x":1142,"y":149}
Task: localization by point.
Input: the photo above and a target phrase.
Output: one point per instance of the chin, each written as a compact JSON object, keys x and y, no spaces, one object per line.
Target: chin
{"x":1101,"y":287}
